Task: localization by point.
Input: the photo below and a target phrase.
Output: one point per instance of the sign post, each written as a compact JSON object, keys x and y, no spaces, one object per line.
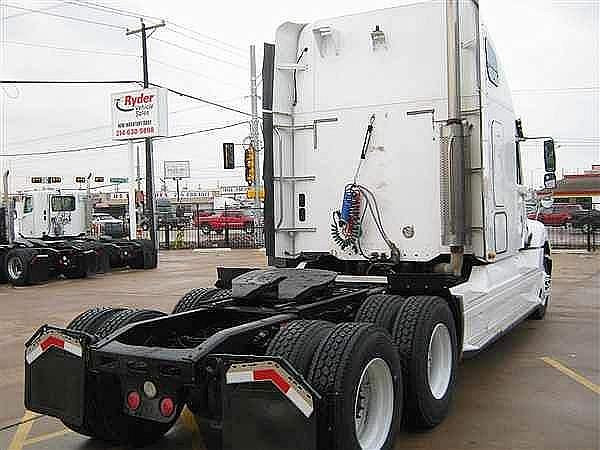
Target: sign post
{"x":139,"y":114}
{"x":131,"y":193}
{"x":177,"y":170}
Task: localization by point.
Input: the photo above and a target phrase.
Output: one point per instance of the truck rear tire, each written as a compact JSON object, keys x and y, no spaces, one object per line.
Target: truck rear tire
{"x":196,"y":297}
{"x":380,"y":310}
{"x":425,"y":336}
{"x":18,"y":266}
{"x":89,"y":321}
{"x":357,"y":371}
{"x":125,"y":317}
{"x":298,"y":341}
{"x":147,"y":259}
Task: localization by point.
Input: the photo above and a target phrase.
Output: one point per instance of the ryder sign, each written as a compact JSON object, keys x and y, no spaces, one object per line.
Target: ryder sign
{"x":139,"y":114}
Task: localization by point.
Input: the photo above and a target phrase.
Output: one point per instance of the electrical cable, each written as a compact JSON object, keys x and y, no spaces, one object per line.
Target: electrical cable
{"x":120,"y":11}
{"x":70,"y":49}
{"x":62,"y":16}
{"x":235,"y":53}
{"x":100,"y":147}
{"x":208,"y":102}
{"x":70,"y":82}
{"x":196,"y":52}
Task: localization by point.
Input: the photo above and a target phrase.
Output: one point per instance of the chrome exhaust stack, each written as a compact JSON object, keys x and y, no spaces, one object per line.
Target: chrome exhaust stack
{"x":455,"y":235}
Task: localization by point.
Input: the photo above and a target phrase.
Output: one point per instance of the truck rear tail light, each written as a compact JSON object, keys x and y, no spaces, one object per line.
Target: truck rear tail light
{"x":167,"y":406}
{"x":133,"y":400}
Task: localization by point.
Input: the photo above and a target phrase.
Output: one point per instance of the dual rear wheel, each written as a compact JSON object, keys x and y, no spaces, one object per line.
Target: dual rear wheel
{"x":396,"y":364}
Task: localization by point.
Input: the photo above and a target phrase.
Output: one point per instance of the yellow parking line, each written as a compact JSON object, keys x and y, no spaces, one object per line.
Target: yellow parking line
{"x":572,"y":374}
{"x":45,"y":437}
{"x":22,"y":431}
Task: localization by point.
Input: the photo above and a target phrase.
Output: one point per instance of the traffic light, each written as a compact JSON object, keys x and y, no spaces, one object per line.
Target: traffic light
{"x":54,"y":179}
{"x":249,"y":162}
{"x":98,"y":179}
{"x":37,"y":180}
{"x":79,"y":179}
{"x":228,"y":155}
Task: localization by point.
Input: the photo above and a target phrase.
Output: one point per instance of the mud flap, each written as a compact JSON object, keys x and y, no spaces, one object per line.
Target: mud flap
{"x":267,"y":405}
{"x":39,"y":269}
{"x":55,"y":373}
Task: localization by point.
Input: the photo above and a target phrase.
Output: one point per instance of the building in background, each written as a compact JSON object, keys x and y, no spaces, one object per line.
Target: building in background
{"x":583,"y":189}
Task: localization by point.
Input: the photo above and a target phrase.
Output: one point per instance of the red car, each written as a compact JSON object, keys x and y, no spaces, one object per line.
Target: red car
{"x":556,"y":216}
{"x":232,"y":220}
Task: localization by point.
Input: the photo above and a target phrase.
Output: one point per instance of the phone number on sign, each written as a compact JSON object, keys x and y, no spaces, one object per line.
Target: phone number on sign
{"x":135,"y":131}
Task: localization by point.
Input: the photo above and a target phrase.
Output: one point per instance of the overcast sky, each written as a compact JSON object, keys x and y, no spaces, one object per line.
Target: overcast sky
{"x":549,"y":49}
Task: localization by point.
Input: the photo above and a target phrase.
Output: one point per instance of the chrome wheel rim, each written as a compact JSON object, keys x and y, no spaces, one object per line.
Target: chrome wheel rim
{"x":374,"y":405}
{"x":15,"y":268}
{"x":439,"y":361}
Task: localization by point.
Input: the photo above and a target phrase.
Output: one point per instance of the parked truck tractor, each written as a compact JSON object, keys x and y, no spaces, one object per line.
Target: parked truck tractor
{"x":397,"y":241}
{"x":46,"y":238}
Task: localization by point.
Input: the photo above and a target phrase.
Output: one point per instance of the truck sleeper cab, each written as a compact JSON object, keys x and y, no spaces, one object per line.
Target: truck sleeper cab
{"x":371,"y":297}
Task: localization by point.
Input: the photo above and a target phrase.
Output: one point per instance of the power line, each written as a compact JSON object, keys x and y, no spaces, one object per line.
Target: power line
{"x":109,"y":53}
{"x":69,"y":49}
{"x":14,"y":16}
{"x":198,"y":74}
{"x":62,"y":16}
{"x":196,"y":52}
{"x":69,"y":82}
{"x":111,"y":10}
{"x":206,"y":36}
{"x":119,"y":11}
{"x":237,"y":53}
{"x":98,"y":128}
{"x":101,"y":147}
{"x":208,"y":102}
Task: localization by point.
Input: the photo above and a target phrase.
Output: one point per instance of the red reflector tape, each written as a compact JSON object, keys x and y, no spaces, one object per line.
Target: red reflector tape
{"x":280,"y":378}
{"x":47,"y":341}
{"x":52,"y":341}
{"x":274,"y":377}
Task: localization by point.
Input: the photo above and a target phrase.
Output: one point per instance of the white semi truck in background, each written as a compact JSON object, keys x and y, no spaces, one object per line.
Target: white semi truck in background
{"x":397,"y":242}
{"x":45,"y":235}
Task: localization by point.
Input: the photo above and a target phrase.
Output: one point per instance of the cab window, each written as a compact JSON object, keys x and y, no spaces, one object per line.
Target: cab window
{"x":63,"y":203}
{"x":492,"y":64}
{"x":28,"y":205}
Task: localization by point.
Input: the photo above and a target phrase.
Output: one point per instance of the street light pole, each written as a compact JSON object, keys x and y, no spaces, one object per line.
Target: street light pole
{"x":254,"y":125}
{"x":150,"y":201}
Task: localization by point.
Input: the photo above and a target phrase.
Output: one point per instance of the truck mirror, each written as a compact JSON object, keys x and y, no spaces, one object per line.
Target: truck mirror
{"x":549,"y":156}
{"x":550,"y":181}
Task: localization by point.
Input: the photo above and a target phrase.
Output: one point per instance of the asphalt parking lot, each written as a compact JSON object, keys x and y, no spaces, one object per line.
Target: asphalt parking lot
{"x":537,"y":388}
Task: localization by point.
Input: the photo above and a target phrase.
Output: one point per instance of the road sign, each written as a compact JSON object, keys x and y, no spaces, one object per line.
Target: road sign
{"x":139,"y":114}
{"x":177,"y":169}
{"x":228,"y":155}
{"x":119,"y":180}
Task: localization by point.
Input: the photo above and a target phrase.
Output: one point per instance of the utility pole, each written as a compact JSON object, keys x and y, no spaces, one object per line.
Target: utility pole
{"x":254,"y":124}
{"x":150,"y":202}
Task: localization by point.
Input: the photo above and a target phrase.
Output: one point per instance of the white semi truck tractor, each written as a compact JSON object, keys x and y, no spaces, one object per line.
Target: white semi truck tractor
{"x":45,"y":236}
{"x":397,"y":242}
